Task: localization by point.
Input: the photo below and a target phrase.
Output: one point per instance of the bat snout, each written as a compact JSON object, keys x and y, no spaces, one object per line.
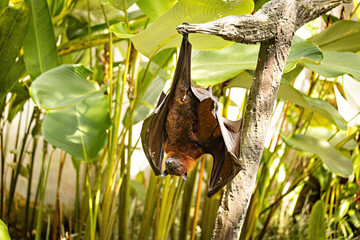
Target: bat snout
{"x":172,"y":164}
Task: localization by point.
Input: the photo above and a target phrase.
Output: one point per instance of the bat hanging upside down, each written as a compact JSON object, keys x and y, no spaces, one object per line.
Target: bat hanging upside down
{"x":186,"y":125}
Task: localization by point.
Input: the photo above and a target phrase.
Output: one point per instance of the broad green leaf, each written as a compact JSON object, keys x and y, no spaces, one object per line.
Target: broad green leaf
{"x":340,"y":36}
{"x":155,"y":9}
{"x":302,"y":51}
{"x":79,"y":129}
{"x":325,"y":133}
{"x":62,"y":86}
{"x":40,"y":52}
{"x":317,"y":222}
{"x":14,"y":22}
{"x":80,"y":11}
{"x":150,"y":87}
{"x":336,"y":64}
{"x":213,"y":67}
{"x":335,"y":161}
{"x":150,"y":97}
{"x":4,"y":233}
{"x":326,"y":110}
{"x":119,"y":4}
{"x":120,"y":30}
{"x":289,"y":93}
{"x":162,"y":33}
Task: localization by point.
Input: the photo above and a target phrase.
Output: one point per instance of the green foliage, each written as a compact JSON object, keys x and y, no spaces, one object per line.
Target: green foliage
{"x":118,"y":62}
{"x":163,"y":30}
{"x":13,"y":21}
{"x":341,"y":36}
{"x":40,"y":53}
{"x":335,"y":161}
{"x":214,"y":67}
{"x":317,"y":222}
{"x":336,"y":64}
{"x":4,"y":233}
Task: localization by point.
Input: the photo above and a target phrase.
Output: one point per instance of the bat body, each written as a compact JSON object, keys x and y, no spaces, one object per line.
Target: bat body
{"x":191,"y":130}
{"x":185,"y":125}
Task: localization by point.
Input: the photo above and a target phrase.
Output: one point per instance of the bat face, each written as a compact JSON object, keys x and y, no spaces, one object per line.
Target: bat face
{"x":178,"y":163}
{"x":185,"y":125}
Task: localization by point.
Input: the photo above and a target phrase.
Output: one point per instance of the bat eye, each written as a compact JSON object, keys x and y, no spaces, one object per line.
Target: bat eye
{"x":171,"y":163}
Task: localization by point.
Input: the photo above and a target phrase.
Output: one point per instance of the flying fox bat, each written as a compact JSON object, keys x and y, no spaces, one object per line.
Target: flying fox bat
{"x":186,"y":125}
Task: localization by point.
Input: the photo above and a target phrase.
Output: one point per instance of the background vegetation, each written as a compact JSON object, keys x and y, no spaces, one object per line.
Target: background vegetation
{"x":95,"y":68}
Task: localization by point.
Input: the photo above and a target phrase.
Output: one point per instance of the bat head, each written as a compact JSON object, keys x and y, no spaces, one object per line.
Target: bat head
{"x":179,"y":164}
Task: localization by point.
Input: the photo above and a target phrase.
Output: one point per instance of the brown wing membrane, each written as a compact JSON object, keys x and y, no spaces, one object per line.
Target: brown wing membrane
{"x":225,"y":160}
{"x":219,"y":137}
{"x":186,"y":125}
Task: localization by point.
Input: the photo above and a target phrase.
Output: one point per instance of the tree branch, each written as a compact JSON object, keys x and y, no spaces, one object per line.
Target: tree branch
{"x":274,"y":26}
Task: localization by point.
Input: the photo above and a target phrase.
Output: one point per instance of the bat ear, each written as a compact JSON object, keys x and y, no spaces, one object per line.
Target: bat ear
{"x":164,"y":174}
{"x":185,"y":177}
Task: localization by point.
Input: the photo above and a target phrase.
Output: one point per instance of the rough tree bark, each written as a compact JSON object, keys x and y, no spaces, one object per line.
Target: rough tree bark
{"x":273,"y":26}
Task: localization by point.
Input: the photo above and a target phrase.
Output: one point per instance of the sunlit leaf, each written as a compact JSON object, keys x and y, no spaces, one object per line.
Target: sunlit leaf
{"x":335,"y":161}
{"x":4,"y":233}
{"x":40,"y":52}
{"x":302,"y":51}
{"x":340,"y":36}
{"x":162,"y":33}
{"x":79,"y":122}
{"x":325,"y":133}
{"x":289,"y":93}
{"x":14,"y":22}
{"x":149,"y":99}
{"x":62,"y":86}
{"x":79,"y":129}
{"x":336,"y":64}
{"x":119,"y":4}
{"x":155,"y":9}
{"x":213,"y":67}
{"x":121,"y":30}
{"x":317,"y":222}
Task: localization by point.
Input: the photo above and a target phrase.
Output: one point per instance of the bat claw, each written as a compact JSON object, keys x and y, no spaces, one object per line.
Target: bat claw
{"x":164,"y":174}
{"x":184,"y":176}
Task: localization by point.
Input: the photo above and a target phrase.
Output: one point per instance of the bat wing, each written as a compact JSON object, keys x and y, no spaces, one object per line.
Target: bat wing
{"x":226,"y":163}
{"x":153,"y":141}
{"x":153,"y":132}
{"x":220,"y":137}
